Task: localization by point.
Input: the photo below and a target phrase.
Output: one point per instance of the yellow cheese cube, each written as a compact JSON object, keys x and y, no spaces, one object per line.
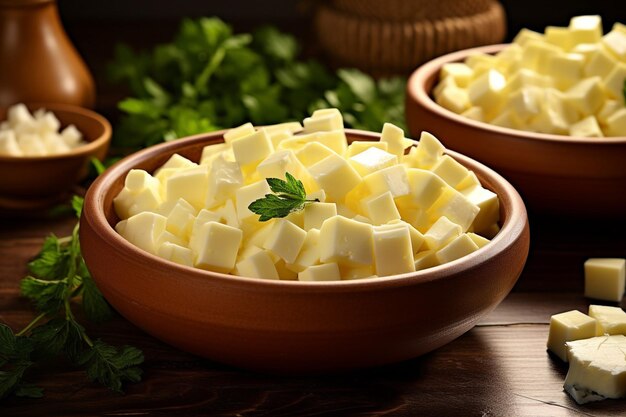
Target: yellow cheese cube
{"x":177,"y":161}
{"x":138,"y":179}
{"x":393,"y":179}
{"x":228,"y":215}
{"x":259,"y":236}
{"x":608,"y":108}
{"x":215,"y":247}
{"x":565,"y":69}
{"x":371,"y":160}
{"x":180,"y":219}
{"x":257,"y":265}
{"x":586,"y":128}
{"x":536,"y":54}
{"x":559,"y":36}
{"x":167,"y":237}
{"x":509,"y":60}
{"x":425,"y":259}
{"x":616,"y":123}
{"x":587,"y":95}
{"x":586,"y":49}
{"x":285,"y":240}
{"x":474,"y":113}
{"x":469,"y":182}
{"x":310,"y":253}
{"x":143,"y":230}
{"x":248,"y":194}
{"x":614,"y":82}
{"x":454,"y":99}
{"x":586,"y":29}
{"x":523,"y":104}
{"x":417,"y":238}
{"x":428,"y":151}
{"x":450,"y":170}
{"x":176,"y":253}
{"x":204,"y":216}
{"x":425,"y":187}
{"x":316,"y":213}
{"x":285,"y":273}
{"x":244,"y":130}
{"x":280,"y":162}
{"x":358,"y":146}
{"x":278,"y":137}
{"x":568,"y":326}
{"x":323,"y":120}
{"x":460,"y":72}
{"x":362,"y":219}
{"x":393,"y":136}
{"x":615,"y":42}
{"x":609,"y":320}
{"x":605,"y":278}
{"x":556,"y":114}
{"x":252,"y":149}
{"x":393,"y":253}
{"x":443,"y":84}
{"x":456,"y":207}
{"x":600,"y":63}
{"x":225,"y":178}
{"x":478,"y":239}
{"x":291,"y":127}
{"x":335,"y":176}
{"x":489,"y":205}
{"x":441,"y":232}
{"x":508,"y":119}
{"x":348,"y":274}
{"x":526,"y":35}
{"x":486,"y":91}
{"x":525,"y":78}
{"x":190,"y":184}
{"x":345,"y":241}
{"x":457,"y":248}
{"x":312,"y":153}
{"x":381,"y":208}
{"x":333,"y":139}
{"x":324,"y":272}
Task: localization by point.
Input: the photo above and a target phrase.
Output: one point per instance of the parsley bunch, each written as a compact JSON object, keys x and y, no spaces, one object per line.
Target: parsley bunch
{"x":58,"y":277}
{"x":209,"y":78}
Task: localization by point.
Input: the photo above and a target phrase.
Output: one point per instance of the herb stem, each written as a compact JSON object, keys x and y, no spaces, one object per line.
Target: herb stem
{"x":31,"y":325}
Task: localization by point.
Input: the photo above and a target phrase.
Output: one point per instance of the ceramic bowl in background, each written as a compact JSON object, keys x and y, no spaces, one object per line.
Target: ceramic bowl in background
{"x":33,"y":182}
{"x":555,"y":174}
{"x":290,"y":326}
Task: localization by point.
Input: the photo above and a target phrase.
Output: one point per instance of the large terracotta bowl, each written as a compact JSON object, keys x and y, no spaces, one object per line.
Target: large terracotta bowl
{"x":290,"y":326}
{"x":33,"y":181}
{"x":555,"y":174}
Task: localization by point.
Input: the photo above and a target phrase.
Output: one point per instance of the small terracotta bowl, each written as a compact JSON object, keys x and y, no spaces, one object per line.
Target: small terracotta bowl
{"x":30,"y":182}
{"x":290,"y":326}
{"x":555,"y":174}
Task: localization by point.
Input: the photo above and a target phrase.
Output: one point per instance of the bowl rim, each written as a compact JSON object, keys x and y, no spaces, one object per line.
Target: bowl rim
{"x":81,"y":150}
{"x":512,"y":229}
{"x":416,"y":89}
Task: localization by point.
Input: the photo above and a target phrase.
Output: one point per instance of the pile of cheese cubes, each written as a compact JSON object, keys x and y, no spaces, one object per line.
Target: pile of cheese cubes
{"x":37,"y":134}
{"x":566,"y":81}
{"x":381,"y":210}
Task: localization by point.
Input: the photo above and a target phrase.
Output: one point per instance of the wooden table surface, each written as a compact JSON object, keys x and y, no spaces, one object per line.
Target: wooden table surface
{"x":499,"y":368}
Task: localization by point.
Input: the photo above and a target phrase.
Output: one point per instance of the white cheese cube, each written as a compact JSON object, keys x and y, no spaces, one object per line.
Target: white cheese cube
{"x":425,"y":259}
{"x":285,"y":240}
{"x":371,"y":160}
{"x":609,"y":320}
{"x":614,"y":82}
{"x":454,"y":99}
{"x":605,"y":278}
{"x":316,"y":213}
{"x":8,"y":144}
{"x":176,"y":253}
{"x":244,"y":130}
{"x":393,"y":253}
{"x":358,"y":146}
{"x":460,"y":72}
{"x":616,"y":123}
{"x":252,"y":149}
{"x":381,"y":208}
{"x":323,"y":120}
{"x":441,"y":232}
{"x":324,"y":272}
{"x":224,"y":179}
{"x":393,"y":179}
{"x":19,"y":115}
{"x":137,"y":180}
{"x":586,"y":128}
{"x":190,"y":184}
{"x":335,"y":176}
{"x":278,"y":137}
{"x":457,"y":248}
{"x":257,"y":265}
{"x":509,"y":60}
{"x":48,"y":122}
{"x":566,"y":327}
{"x":71,"y":136}
{"x":346,"y":241}
{"x":489,"y":205}
{"x":450,"y":170}
{"x":54,"y":144}
{"x":215,"y":247}
{"x":586,"y":29}
{"x":31,"y":144}
{"x":456,"y":207}
{"x":144,"y":230}
{"x":597,"y":369}
{"x":393,"y":136}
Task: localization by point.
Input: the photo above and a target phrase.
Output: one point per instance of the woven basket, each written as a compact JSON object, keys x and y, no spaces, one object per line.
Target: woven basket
{"x":392,"y":46}
{"x":412,"y":10}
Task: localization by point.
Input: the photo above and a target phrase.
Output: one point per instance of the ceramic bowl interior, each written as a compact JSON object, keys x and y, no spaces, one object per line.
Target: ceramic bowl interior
{"x":557,"y":174}
{"x":30,"y":182}
{"x":290,"y":326}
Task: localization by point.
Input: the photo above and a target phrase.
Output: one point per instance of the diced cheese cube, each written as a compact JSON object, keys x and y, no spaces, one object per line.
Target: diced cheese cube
{"x":469,"y":182}
{"x":285,"y":273}
{"x":143,"y":230}
{"x":586,"y":128}
{"x":450,"y":170}
{"x":204,"y":216}
{"x":310,"y":253}
{"x":280,"y":162}
{"x":53,"y":143}
{"x":259,"y":236}
{"x":508,"y":119}
{"x":312,"y":153}
{"x":381,"y":208}
{"x":393,"y":253}
{"x":393,"y":136}
{"x":316,"y":213}
{"x":428,"y":151}
{"x":215,"y":247}
{"x":615,"y":42}
{"x":509,"y":59}
{"x":565,"y":69}
{"x":138,"y":179}
{"x":524,"y":103}
{"x":616,"y":123}
{"x":180,"y":219}
{"x":361,"y":272}
{"x":71,"y":136}
{"x":346,"y":241}
{"x":324,"y":272}
{"x":31,"y":144}
{"x":456,"y":207}
{"x":605,"y":278}
{"x":474,"y":113}
{"x":425,"y":187}
{"x":285,"y":239}
{"x":597,"y":369}
{"x":244,"y":130}
{"x":609,"y":320}
{"x":440,"y":233}
{"x":486,"y":91}
{"x":526,"y":78}
{"x":489,"y":205}
{"x":457,"y":248}
{"x":291,"y":127}
{"x":425,"y":259}
{"x":257,"y":265}
{"x":335,"y":176}
{"x":608,"y":108}
{"x":248,"y":194}
{"x":559,"y":36}
{"x":333,"y":139}
{"x":526,"y":35}
{"x":252,"y":149}
{"x":210,"y":152}
{"x":442,"y":85}
{"x":536,"y":54}
{"x":177,"y":161}
{"x":586,"y":49}
{"x":176,"y":253}
{"x":417,"y":238}
{"x":600,"y":63}
{"x":228,"y":215}
{"x":566,"y":327}
{"x":393,"y":179}
{"x":587,"y":95}
{"x":460,"y":72}
{"x":454,"y":99}
{"x":225,"y":178}
{"x":190,"y":184}
{"x":372,"y":159}
{"x":478,"y":239}
{"x":323,"y":120}
{"x":358,"y":146}
{"x":614,"y":82}
{"x":556,"y":114}
{"x":586,"y":29}
{"x":278,"y":137}
{"x":8,"y":144}
{"x":19,"y":115}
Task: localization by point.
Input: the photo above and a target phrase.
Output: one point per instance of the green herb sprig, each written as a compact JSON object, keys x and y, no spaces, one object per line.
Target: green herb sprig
{"x":289,"y":196}
{"x":59,"y":277}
